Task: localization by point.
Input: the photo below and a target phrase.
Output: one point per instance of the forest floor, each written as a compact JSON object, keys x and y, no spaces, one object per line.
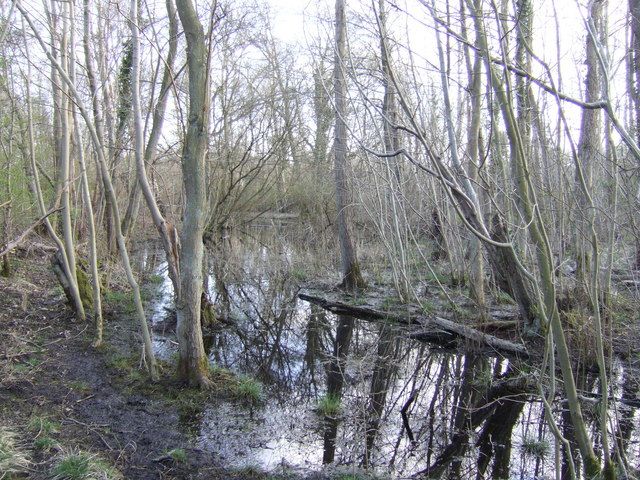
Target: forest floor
{"x":62,"y":398}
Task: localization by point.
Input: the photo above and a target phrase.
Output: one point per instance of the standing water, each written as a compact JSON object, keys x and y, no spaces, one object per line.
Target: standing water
{"x":362,"y":394}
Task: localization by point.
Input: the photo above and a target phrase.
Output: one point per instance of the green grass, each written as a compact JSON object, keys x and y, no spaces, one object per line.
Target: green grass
{"x":428,"y":307}
{"x":14,"y":459}
{"x":178,"y":455}
{"x":83,"y":466}
{"x":123,"y":301}
{"x":503,"y":298}
{"x":248,"y":390}
{"x":388,"y":303}
{"x":80,"y":386}
{"x":535,"y":448}
{"x":43,"y":426}
{"x":45,"y":444}
{"x":27,"y":366}
{"x":155,"y":279}
{"x":329,"y":405}
{"x":118,"y":361}
{"x":299,"y":274}
{"x":437,"y":277}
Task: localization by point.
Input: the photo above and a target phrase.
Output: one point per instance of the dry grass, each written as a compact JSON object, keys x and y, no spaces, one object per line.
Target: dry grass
{"x":14,"y":457}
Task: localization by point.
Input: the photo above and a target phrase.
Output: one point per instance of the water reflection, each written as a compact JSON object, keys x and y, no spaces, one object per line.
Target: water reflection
{"x":407,"y":408}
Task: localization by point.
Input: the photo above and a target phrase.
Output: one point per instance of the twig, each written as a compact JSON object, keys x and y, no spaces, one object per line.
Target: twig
{"x":93,"y":429}
{"x":86,"y":398}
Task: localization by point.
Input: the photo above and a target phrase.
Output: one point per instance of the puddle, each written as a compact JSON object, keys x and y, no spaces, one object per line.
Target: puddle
{"x":405,"y":406}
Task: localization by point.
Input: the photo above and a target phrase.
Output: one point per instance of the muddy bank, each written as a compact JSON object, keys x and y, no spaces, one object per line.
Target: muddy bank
{"x":95,"y":401}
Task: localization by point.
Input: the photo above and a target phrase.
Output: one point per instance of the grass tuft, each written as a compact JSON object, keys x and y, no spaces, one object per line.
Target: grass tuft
{"x":248,"y":390}
{"x":13,"y":457}
{"x":79,"y":465}
{"x":535,"y":448}
{"x":329,"y":405}
{"x":43,"y":426}
{"x":178,"y":455}
{"x":46,"y":444}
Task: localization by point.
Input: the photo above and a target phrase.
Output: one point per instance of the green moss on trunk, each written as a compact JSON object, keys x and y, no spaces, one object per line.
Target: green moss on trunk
{"x":85,"y":288}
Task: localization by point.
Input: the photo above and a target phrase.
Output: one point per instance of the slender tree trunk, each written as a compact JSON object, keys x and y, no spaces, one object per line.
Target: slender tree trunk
{"x":323,"y":114}
{"x":634,"y":85}
{"x":589,"y":149}
{"x":133,"y":207}
{"x":351,"y":276}
{"x":102,"y":163}
{"x":537,"y":232}
{"x":165,"y":229}
{"x":64,"y":263}
{"x":86,"y":196}
{"x":477,"y":277}
{"x":383,"y":369}
{"x":64,"y":172}
{"x":193,"y":362}
{"x":335,"y":382}
{"x":396,"y":218}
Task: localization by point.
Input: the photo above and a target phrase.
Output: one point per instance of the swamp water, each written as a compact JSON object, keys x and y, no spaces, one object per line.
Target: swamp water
{"x":404,"y":406}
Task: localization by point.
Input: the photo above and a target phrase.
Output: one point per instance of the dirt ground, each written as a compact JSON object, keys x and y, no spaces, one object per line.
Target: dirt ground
{"x":58,"y":394}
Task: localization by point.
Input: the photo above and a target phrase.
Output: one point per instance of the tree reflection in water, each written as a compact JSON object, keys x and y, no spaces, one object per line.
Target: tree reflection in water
{"x":408,"y":408}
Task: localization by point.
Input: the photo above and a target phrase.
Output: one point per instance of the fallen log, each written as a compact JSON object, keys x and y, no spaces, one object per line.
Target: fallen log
{"x":431,"y":328}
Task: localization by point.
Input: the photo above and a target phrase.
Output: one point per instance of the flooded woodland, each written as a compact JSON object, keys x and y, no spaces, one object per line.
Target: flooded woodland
{"x":369,"y":394}
{"x":345,"y":240}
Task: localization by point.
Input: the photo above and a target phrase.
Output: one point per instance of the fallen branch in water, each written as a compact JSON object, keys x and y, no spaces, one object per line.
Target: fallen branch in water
{"x":431,"y":329}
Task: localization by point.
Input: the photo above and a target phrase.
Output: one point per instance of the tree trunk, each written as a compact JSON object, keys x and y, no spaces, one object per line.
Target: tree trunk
{"x":102,"y":164}
{"x":351,"y":276}
{"x":193,"y":362}
{"x":165,"y":229}
{"x":589,"y":149}
{"x":544,"y":260}
{"x":335,"y":382}
{"x":86,"y":196}
{"x":476,"y":274}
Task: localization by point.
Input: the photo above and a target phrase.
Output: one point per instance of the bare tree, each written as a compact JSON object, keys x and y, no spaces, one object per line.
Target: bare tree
{"x":193,"y":366}
{"x":351,"y":275}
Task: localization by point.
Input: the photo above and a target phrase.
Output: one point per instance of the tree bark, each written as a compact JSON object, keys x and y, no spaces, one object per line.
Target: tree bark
{"x":351,"y":275}
{"x":589,"y":149}
{"x":193,"y":362}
